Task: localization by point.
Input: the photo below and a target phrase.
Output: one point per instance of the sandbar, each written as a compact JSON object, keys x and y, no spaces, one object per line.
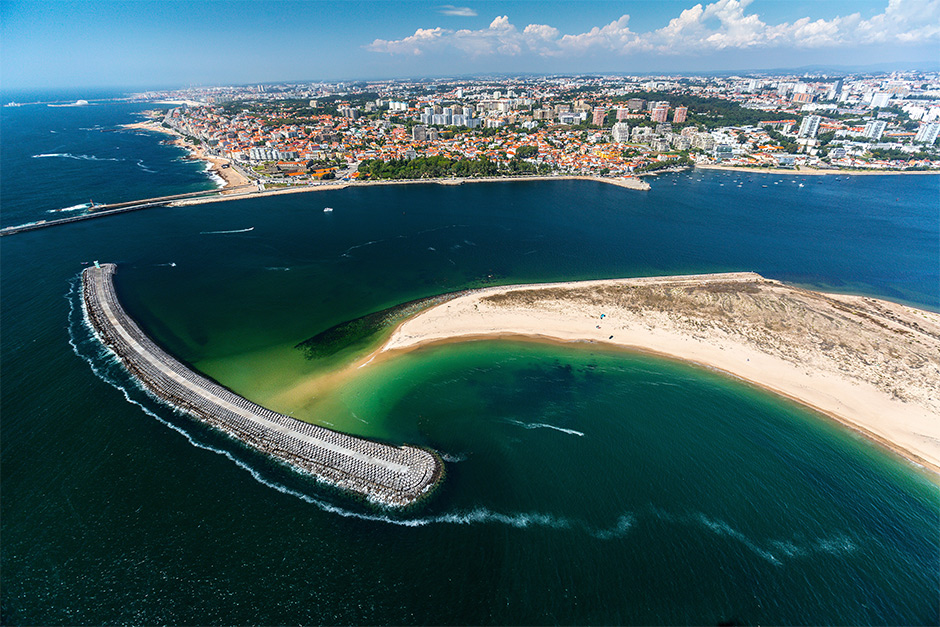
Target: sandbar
{"x":870,"y":364}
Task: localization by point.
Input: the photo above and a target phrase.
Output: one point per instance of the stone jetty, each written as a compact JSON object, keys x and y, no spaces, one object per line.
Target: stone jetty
{"x":389,"y":475}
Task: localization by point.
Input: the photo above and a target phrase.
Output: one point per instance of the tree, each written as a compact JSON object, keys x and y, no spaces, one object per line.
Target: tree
{"x":527,"y":152}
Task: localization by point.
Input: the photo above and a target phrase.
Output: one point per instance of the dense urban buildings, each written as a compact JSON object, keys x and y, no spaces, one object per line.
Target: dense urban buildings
{"x":607,"y":126}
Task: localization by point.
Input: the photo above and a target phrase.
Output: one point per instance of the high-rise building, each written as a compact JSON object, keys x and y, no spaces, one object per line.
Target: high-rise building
{"x":678,"y":116}
{"x":809,"y":126}
{"x":875,"y":129}
{"x":880,"y":99}
{"x":835,"y":91}
{"x":927,"y":133}
{"x":622,"y":113}
{"x":600,"y":113}
{"x":660,"y":113}
{"x":636,"y":104}
{"x":803,"y":97}
{"x":419,"y":133}
{"x":621,"y":132}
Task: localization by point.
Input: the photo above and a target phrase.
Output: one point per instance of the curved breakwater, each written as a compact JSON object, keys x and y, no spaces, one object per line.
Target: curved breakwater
{"x":391,"y":476}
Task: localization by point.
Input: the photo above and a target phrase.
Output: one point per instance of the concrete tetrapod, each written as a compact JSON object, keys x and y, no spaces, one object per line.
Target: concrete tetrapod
{"x":389,"y":475}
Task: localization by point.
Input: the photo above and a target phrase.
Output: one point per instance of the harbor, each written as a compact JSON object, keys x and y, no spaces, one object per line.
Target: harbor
{"x":388,"y":475}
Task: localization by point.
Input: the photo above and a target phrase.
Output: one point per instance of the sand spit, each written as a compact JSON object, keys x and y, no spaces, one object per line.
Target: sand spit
{"x":870,"y":364}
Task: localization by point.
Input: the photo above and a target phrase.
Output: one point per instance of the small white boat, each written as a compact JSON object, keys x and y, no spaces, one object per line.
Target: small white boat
{"x":327,"y":209}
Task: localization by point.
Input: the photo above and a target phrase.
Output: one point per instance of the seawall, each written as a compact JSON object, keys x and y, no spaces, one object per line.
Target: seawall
{"x":392,"y":476}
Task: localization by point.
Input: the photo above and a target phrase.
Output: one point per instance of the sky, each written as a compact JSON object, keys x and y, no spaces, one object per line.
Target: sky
{"x":175,"y":43}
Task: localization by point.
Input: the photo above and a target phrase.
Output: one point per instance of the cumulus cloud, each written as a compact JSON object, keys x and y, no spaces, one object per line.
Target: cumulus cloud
{"x":449,"y":9}
{"x":719,"y":25}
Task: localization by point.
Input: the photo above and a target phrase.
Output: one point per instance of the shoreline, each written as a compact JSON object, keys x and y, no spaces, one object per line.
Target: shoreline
{"x":870,"y":365}
{"x":232,"y":180}
{"x":236,"y":194}
{"x":806,"y":171}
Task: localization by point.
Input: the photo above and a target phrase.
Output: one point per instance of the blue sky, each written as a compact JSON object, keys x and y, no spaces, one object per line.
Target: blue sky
{"x":143,"y":43}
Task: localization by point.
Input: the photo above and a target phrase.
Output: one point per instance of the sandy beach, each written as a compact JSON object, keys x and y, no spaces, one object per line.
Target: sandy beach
{"x":234,"y":181}
{"x":806,"y":171}
{"x":869,"y":364}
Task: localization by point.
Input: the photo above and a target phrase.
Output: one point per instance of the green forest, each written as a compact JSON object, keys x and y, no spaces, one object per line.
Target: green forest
{"x":443,"y":167}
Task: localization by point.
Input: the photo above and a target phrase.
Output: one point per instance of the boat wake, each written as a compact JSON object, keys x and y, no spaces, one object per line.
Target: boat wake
{"x":68,"y":155}
{"x":370,"y":243}
{"x":542,"y":425}
{"x":251,"y":228}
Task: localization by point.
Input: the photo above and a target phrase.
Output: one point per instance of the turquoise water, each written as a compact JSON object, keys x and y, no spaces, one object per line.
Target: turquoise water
{"x":583,"y":486}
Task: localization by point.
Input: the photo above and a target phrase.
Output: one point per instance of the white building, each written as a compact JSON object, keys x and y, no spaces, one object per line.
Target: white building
{"x":810,"y":126}
{"x":875,"y":129}
{"x":927,"y":133}
{"x":621,"y":132}
{"x":880,"y":99}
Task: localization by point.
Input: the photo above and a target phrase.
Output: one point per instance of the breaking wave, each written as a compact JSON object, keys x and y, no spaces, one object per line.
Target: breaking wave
{"x":83,"y":205}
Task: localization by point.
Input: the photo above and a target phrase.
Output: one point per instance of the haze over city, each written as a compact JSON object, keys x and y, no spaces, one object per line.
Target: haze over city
{"x":94,"y":44}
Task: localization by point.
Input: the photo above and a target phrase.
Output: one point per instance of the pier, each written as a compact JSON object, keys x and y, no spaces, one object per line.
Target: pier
{"x":392,"y":476}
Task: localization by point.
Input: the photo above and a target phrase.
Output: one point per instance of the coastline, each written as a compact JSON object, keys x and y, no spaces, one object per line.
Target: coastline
{"x":805,"y":171}
{"x":871,"y":365}
{"x":239,"y":194}
{"x":232,"y":180}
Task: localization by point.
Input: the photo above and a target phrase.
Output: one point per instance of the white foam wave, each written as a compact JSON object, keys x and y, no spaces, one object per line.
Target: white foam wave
{"x":278,"y":268}
{"x":251,"y":228}
{"x":215,"y":178}
{"x":542,"y":425}
{"x":619,"y":530}
{"x":140,"y":164}
{"x":68,"y":155}
{"x":453,"y":459}
{"x":172,"y":264}
{"x":84,"y":205}
{"x":722,"y":528}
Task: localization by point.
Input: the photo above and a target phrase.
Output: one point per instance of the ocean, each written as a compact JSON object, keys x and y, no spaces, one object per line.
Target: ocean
{"x":583,"y":485}
{"x":58,"y":159}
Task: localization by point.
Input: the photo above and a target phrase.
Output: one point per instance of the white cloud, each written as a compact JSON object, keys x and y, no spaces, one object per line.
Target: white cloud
{"x":719,"y":25}
{"x":449,"y":9}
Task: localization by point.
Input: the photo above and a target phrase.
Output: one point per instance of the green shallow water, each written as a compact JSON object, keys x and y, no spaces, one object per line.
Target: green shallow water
{"x":583,"y":486}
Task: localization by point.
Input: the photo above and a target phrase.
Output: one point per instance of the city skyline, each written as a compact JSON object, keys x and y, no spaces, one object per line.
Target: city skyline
{"x":152,"y":44}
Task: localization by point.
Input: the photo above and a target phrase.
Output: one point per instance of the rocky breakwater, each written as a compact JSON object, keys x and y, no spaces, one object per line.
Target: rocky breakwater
{"x":391,"y":476}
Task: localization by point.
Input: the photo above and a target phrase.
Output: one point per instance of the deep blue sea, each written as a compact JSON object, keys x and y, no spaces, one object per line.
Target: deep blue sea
{"x":57,"y":159}
{"x":584,"y":486}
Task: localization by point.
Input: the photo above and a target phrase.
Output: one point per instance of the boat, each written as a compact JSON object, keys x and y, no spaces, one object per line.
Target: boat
{"x":327,"y":209}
